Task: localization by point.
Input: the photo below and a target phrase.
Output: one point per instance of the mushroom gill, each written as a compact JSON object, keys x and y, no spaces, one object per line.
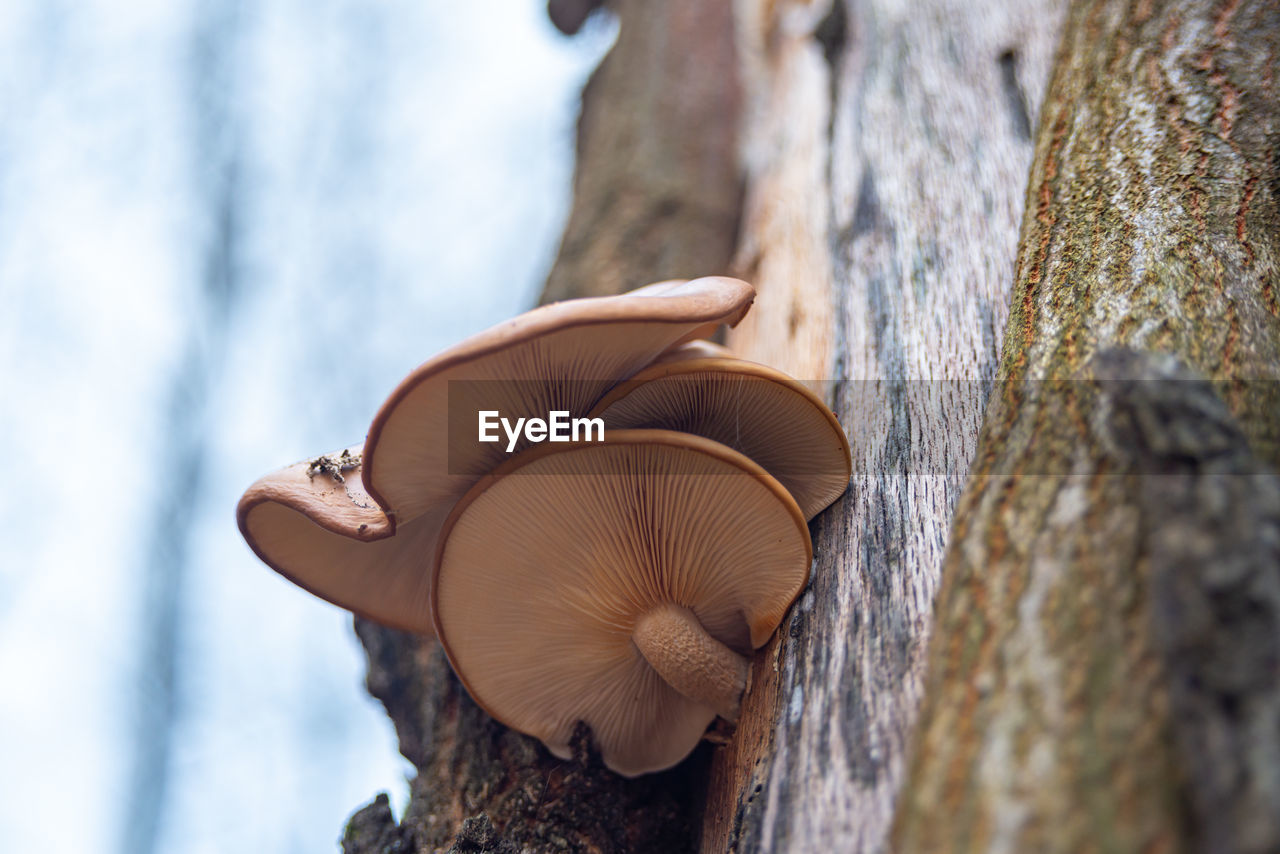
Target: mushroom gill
{"x":606,"y":582}
{"x":775,"y":420}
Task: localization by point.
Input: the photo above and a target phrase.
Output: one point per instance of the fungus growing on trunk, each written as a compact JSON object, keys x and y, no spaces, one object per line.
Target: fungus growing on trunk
{"x":623,"y":583}
{"x":363,"y":539}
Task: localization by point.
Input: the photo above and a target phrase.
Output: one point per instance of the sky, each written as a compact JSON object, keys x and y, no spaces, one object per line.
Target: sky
{"x":227,"y":230}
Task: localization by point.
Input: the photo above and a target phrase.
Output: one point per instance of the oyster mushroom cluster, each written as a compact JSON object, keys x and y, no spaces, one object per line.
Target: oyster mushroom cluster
{"x":622,"y":580}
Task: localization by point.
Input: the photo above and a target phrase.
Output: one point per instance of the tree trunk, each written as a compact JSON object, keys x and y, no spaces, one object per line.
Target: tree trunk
{"x":882,"y":210}
{"x":1109,"y":630}
{"x":885,"y":153}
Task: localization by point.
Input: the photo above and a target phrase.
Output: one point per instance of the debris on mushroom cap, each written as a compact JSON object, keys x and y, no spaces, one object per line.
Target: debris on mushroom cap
{"x":778,"y":422}
{"x":558,"y":357}
{"x":606,"y":582}
{"x":314,"y":524}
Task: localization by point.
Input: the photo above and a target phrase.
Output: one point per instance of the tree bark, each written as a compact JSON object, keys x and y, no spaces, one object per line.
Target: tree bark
{"x":885,"y":152}
{"x":1106,"y":642}
{"x":887,"y":156}
{"x":657,"y":190}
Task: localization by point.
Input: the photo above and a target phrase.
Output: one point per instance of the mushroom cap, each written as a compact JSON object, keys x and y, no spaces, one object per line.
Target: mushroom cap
{"x":370,"y":551}
{"x":698,"y":348}
{"x":780,"y":423}
{"x":314,"y":523}
{"x":545,"y":566}
{"x":563,"y":356}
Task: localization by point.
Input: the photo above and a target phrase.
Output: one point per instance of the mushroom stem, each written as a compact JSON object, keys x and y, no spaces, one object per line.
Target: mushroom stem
{"x":693,"y":662}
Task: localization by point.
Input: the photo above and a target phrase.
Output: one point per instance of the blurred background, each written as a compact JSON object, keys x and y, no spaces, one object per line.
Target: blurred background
{"x":227,"y":229}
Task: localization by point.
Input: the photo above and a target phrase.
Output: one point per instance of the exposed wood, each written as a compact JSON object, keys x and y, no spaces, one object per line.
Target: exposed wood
{"x":887,"y":152}
{"x":656,"y":195}
{"x":1063,"y":674}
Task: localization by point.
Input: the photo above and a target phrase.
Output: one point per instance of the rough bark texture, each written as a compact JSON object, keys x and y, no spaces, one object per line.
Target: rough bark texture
{"x":1105,"y":658}
{"x":887,"y":151}
{"x":656,"y":195}
{"x":1092,"y":621}
{"x":1211,"y":533}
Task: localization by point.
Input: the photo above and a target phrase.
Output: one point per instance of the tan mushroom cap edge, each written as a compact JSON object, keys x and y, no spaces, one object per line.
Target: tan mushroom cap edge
{"x":777,"y":421}
{"x":622,"y":583}
{"x":563,"y":356}
{"x":313,"y":523}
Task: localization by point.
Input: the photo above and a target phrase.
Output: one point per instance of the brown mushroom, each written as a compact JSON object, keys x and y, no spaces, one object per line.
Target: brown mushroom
{"x":780,"y":423}
{"x":563,"y":356}
{"x":622,"y":583}
{"x":314,"y":524}
{"x":362,"y":535}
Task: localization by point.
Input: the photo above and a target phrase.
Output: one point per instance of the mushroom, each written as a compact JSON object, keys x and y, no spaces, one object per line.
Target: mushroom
{"x":314,"y":524}
{"x":622,"y":583}
{"x":563,"y":356}
{"x":360,"y":530}
{"x":702,"y":388}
